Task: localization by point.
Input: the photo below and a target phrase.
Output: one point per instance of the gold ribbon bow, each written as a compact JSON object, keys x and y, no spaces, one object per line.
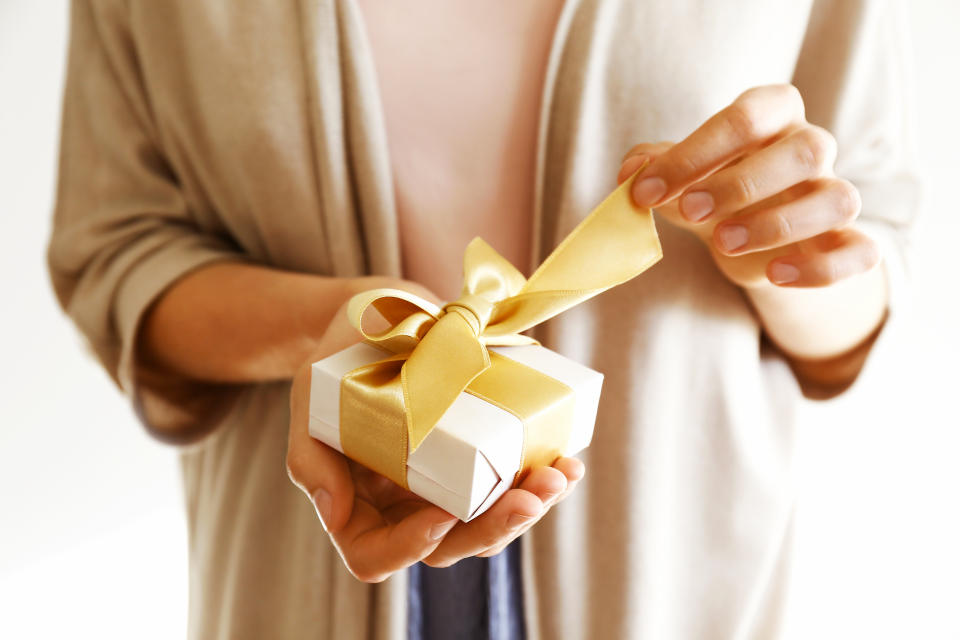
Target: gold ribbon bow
{"x":388,"y":408}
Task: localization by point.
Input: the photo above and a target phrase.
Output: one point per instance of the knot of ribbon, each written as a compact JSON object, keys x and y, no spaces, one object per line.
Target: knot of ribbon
{"x":390,"y":406}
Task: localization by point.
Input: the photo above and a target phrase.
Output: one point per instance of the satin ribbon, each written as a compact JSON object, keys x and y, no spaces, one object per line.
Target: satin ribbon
{"x":387,"y":408}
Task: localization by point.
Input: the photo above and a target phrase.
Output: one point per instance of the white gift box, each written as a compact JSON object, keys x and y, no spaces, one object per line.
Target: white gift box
{"x":473,"y":453}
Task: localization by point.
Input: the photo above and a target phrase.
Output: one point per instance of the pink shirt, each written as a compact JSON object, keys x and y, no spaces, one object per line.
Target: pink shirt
{"x":461,"y":84}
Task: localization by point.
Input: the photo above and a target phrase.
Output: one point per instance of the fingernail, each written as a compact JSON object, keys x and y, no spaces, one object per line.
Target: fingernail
{"x":517,"y":520}
{"x":437,"y":531}
{"x":648,"y":191}
{"x":630,"y":165}
{"x":732,"y":236}
{"x":783,"y":273}
{"x":323,"y":503}
{"x":696,"y":206}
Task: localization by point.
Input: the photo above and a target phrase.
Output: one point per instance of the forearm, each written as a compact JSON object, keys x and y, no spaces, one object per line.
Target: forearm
{"x":826,"y":332}
{"x":236,"y":322}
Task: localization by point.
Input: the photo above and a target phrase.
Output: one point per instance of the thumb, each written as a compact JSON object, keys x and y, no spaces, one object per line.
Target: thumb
{"x":320,"y":471}
{"x":327,"y":482}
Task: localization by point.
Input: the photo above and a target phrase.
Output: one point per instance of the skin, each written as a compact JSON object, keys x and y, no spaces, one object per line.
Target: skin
{"x":765,"y":169}
{"x":755,"y":183}
{"x":380,"y":528}
{"x":204,"y":327}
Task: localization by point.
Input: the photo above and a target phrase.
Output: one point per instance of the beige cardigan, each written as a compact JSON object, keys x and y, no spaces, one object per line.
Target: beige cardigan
{"x":199,"y":131}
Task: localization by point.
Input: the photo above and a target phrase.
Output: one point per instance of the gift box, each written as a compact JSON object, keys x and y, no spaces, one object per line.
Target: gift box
{"x":457,"y":403}
{"x":473,"y":453}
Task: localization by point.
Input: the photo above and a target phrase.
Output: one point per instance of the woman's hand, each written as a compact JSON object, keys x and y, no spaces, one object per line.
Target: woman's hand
{"x":379,"y":528}
{"x":756,"y":183}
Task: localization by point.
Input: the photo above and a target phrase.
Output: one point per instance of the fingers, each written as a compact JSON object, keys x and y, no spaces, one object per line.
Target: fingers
{"x":320,"y":471}
{"x":514,"y":513}
{"x":805,"y":154}
{"x":830,"y":204}
{"x":373,"y":550}
{"x":371,"y":546}
{"x":751,"y":121}
{"x":763,"y":176}
{"x":574,"y":470}
{"x":504,"y":520}
{"x":514,"y":509}
{"x":547,"y":483}
{"x":638,"y":155}
{"x":836,"y":255}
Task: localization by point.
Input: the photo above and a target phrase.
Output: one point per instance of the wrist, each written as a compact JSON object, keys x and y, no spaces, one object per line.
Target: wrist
{"x":820,"y":323}
{"x":826,"y":377}
{"x":826,"y":333}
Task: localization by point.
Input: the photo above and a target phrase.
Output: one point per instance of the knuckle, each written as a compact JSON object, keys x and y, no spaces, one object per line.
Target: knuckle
{"x":753,"y":93}
{"x":636,"y":149}
{"x":786,"y":94}
{"x":686,"y":165}
{"x":490,"y":539}
{"x":746,"y":189}
{"x":743,"y":117}
{"x":792,"y":94}
{"x":781,"y":227}
{"x":294,"y":466}
{"x":864,"y":252}
{"x":847,"y":199}
{"x":831,"y":270}
{"x":746,"y":114}
{"x":871,"y":254}
{"x":788,"y":89}
{"x":816,"y":149}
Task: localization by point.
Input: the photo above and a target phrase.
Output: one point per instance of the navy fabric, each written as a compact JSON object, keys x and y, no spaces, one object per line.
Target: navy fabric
{"x":475,"y":599}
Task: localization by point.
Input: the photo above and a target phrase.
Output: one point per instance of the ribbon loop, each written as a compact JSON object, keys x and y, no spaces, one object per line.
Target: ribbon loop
{"x":444,"y":350}
{"x":408,"y":316}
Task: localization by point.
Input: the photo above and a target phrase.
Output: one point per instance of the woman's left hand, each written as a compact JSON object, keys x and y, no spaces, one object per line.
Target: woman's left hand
{"x":756,"y":183}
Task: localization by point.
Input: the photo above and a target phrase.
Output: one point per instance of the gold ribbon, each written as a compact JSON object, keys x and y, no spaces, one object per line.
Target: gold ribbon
{"x":388,"y":407}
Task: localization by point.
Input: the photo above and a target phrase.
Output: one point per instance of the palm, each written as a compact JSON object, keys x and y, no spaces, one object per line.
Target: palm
{"x":378,"y":498}
{"x":379,"y":527}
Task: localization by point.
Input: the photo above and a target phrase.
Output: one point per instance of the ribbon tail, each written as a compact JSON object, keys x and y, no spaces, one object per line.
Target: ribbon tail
{"x":615,"y":243}
{"x":447,"y":359}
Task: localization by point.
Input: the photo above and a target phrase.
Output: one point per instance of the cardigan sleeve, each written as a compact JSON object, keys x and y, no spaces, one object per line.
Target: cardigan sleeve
{"x":122,"y":232}
{"x":853,"y":74}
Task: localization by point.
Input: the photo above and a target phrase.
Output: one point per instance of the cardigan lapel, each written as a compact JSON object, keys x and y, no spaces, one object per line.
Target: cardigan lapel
{"x":349,"y":141}
{"x":351,"y":144}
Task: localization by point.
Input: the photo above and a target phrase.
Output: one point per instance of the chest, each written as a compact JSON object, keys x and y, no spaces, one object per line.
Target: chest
{"x":460,"y":86}
{"x":451,"y":74}
{"x":255,"y":106}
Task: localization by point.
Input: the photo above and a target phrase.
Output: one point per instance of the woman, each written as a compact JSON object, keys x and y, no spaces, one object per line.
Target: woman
{"x":231,"y":174}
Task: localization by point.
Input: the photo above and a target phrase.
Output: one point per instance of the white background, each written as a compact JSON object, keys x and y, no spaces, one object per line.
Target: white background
{"x":92,"y":538}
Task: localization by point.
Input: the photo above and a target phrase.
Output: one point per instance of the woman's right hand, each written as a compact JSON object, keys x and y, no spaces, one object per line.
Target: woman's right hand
{"x":380,"y":528}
